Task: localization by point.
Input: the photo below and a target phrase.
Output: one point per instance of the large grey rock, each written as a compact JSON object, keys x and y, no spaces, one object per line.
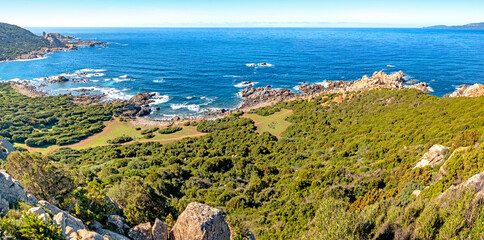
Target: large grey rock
{"x":36,"y":211}
{"x":200,"y":222}
{"x":88,"y":235}
{"x":95,"y":225}
{"x":117,"y":222}
{"x":10,"y":189}
{"x":65,"y":220}
{"x":141,"y":232}
{"x":3,"y":206}
{"x":50,"y":207}
{"x":111,"y":235}
{"x":70,"y":234}
{"x":32,"y":199}
{"x":160,"y":230}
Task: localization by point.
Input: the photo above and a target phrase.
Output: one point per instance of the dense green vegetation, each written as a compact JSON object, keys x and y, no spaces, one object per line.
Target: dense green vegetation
{"x":18,"y":224}
{"x":265,"y":111}
{"x":169,"y":130}
{"x":15,"y":41}
{"x":340,"y":171}
{"x":51,"y":120}
{"x":121,"y":139}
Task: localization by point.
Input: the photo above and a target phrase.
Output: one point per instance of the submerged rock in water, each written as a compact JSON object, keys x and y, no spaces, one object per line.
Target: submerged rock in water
{"x":59,"y":79}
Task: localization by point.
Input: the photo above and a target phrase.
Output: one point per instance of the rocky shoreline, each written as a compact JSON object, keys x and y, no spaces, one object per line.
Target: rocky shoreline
{"x":139,"y":105}
{"x":263,"y":96}
{"x":57,"y":42}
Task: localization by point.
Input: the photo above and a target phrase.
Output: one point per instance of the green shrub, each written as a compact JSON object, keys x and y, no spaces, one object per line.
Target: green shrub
{"x":122,"y":139}
{"x":265,"y":111}
{"x":169,"y":130}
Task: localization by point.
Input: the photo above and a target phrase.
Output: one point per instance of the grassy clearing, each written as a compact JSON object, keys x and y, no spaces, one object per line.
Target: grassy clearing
{"x":116,"y":129}
{"x":274,"y":124}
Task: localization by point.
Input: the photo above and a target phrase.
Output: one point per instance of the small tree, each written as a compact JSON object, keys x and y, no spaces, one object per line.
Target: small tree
{"x":39,"y":176}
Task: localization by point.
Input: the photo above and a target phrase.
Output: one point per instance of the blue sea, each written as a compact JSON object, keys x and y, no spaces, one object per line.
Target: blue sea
{"x":192,"y":70}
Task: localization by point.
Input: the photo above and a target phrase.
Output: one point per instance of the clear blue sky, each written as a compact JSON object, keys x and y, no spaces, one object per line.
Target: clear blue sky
{"x":204,"y":13}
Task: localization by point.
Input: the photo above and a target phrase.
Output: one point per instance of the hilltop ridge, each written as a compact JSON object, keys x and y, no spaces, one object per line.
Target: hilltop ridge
{"x":15,"y":41}
{"x":466,"y":26}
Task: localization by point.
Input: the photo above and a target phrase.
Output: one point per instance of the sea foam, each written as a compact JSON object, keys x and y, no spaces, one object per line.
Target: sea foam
{"x":159,"y":99}
{"x":191,"y":107}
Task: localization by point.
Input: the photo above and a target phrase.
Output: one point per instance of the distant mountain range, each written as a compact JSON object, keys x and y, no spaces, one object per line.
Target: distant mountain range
{"x":467,"y":26}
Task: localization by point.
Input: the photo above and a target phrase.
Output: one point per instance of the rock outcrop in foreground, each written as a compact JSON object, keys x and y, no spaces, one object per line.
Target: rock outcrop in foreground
{"x":475,"y":90}
{"x":200,"y":222}
{"x":11,"y":191}
{"x":197,"y":222}
{"x":256,"y":96}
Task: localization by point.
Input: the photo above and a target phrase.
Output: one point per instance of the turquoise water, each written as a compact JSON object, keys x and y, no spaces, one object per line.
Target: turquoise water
{"x":196,"y":69}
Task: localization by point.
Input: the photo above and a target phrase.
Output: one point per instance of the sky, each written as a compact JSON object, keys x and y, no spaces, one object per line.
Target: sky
{"x":247,"y":13}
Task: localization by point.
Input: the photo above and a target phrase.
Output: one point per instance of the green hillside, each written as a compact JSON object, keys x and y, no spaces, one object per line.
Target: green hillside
{"x":15,"y":41}
{"x":339,"y":171}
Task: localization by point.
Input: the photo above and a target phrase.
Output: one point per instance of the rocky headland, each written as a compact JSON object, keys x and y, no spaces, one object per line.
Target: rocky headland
{"x":475,"y":90}
{"x":263,"y":96}
{"x":56,"y":42}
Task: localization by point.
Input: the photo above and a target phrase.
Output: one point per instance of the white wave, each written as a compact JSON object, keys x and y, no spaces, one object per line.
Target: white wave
{"x":209,"y":110}
{"x":123,"y":76}
{"x":324,"y":83}
{"x":250,"y":64}
{"x":90,"y":75}
{"x":208,"y":99}
{"x":91,"y":70}
{"x":245,"y":84}
{"x":122,"y":79}
{"x":392,"y":66}
{"x":189,"y":97}
{"x":191,"y":107}
{"x":110,"y":93}
{"x":28,"y":60}
{"x":232,"y":76}
{"x":159,"y":99}
{"x":296,"y":87}
{"x":159,"y":80}
{"x":430,"y":89}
